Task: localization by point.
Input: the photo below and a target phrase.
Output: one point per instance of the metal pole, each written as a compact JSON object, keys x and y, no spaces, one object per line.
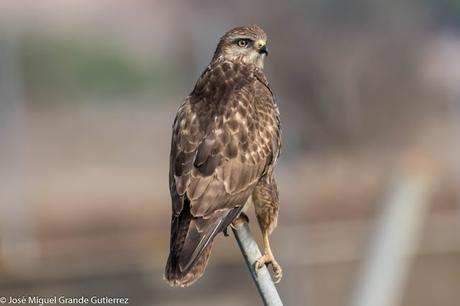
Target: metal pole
{"x":382,"y":277}
{"x":18,"y":245}
{"x":251,"y":253}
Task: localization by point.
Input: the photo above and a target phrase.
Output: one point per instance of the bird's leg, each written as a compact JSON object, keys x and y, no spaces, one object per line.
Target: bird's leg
{"x":268,"y":258}
{"x":266,"y":203}
{"x":242,"y":218}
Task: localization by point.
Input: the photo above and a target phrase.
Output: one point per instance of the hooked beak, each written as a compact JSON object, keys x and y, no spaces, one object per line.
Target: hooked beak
{"x":262,"y":47}
{"x":263,"y":50}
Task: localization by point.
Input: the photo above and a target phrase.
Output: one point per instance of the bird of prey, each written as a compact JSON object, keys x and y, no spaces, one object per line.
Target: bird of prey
{"x":225,"y":144}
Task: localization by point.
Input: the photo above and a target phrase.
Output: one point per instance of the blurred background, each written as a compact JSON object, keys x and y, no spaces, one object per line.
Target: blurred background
{"x":370,"y":101}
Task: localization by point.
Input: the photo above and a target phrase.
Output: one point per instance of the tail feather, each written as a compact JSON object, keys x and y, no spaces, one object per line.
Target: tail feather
{"x":176,"y":277}
{"x":176,"y":273}
{"x":191,"y":244}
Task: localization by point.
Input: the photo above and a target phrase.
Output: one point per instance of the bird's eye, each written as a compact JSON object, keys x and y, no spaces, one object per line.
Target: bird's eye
{"x":242,"y":43}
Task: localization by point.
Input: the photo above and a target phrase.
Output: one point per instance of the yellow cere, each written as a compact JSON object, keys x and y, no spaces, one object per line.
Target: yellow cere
{"x":260,"y":43}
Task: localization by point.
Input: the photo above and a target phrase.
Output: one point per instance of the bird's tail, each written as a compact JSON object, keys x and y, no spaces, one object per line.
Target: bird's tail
{"x":191,"y":244}
{"x":176,"y":273}
{"x":176,"y":277}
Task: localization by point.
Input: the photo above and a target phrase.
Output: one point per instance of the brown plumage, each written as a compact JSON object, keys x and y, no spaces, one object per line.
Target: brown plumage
{"x":225,"y":142}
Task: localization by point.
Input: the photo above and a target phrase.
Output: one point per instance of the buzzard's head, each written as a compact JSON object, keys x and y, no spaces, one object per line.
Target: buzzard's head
{"x":246,"y":44}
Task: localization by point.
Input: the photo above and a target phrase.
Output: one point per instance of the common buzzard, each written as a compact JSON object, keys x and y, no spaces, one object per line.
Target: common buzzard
{"x":225,"y":144}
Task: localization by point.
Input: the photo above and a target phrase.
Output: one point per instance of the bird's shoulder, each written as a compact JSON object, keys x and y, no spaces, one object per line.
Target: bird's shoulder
{"x":226,"y":86}
{"x":231,"y":100}
{"x":222,"y":75}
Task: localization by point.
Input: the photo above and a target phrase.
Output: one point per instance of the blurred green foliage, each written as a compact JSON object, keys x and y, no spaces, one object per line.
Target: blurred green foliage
{"x":56,"y":67}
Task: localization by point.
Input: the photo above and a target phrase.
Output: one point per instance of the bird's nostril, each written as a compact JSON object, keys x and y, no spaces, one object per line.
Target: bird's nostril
{"x":263,"y":50}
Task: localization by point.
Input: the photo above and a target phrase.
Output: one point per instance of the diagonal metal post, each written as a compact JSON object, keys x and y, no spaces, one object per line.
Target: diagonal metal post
{"x":385,"y":270}
{"x":251,"y":253}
